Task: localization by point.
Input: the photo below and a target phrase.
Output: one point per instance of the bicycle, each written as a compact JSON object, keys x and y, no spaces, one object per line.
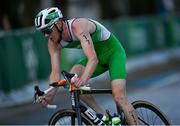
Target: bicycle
{"x":79,"y":114}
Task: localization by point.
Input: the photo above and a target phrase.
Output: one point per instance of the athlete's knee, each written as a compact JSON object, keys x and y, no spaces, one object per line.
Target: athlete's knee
{"x":77,"y":66}
{"x":120,"y":99}
{"x":78,"y":69}
{"x":119,"y":91}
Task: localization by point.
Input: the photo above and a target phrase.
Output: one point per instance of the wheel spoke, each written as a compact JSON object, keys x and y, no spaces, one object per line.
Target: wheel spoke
{"x":142,"y":120}
{"x":147,"y":115}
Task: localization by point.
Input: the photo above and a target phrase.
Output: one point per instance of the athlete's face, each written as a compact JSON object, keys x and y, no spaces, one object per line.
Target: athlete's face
{"x":53,"y":33}
{"x":54,"y":36}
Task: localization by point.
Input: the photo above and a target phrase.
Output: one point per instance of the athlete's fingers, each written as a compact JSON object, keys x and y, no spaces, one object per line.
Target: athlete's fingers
{"x":43,"y":103}
{"x":39,"y":99}
{"x":79,"y":82}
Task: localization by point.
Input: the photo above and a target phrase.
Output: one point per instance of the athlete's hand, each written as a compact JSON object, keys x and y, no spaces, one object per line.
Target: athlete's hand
{"x":77,"y":81}
{"x":42,"y":100}
{"x":47,"y":99}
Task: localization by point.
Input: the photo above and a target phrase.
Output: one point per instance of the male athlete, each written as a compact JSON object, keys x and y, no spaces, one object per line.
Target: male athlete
{"x":102,"y":49}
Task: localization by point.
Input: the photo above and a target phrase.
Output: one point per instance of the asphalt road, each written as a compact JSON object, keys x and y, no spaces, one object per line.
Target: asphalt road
{"x":161,"y":88}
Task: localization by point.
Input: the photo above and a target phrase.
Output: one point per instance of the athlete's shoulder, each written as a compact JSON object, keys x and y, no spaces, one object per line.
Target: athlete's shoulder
{"x":80,"y":22}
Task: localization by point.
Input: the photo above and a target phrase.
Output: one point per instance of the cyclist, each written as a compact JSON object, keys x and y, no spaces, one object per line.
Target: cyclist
{"x":102,"y":49}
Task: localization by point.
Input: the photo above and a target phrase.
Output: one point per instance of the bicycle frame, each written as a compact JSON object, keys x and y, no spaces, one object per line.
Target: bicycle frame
{"x":77,"y":105}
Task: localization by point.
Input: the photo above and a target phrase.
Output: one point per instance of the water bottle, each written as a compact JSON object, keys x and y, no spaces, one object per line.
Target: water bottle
{"x":115,"y":120}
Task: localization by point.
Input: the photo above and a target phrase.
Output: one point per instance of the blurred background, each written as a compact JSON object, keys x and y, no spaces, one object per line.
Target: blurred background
{"x":148,"y":29}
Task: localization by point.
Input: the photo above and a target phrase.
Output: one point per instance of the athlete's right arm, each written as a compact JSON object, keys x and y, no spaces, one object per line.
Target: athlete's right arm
{"x":54,"y":51}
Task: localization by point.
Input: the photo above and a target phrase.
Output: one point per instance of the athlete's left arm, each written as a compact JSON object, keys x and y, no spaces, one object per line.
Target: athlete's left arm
{"x":82,"y":29}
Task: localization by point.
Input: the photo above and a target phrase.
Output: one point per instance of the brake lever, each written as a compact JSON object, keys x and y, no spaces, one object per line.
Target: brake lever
{"x":38,"y":92}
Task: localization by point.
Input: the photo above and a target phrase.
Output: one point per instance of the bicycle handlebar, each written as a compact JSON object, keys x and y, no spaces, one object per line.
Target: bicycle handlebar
{"x":60,"y":83}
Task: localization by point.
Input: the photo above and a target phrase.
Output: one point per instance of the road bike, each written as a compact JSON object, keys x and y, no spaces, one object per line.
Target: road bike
{"x":81,"y":114}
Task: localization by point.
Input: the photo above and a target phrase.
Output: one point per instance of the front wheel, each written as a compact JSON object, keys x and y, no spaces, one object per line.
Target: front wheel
{"x":149,"y":114}
{"x":67,"y":117}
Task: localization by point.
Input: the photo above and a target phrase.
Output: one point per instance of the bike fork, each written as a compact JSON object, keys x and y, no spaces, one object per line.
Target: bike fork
{"x":75,"y":105}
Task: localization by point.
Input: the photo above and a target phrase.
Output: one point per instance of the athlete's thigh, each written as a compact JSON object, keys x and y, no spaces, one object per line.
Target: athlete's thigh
{"x":117,"y":65}
{"x":99,"y":68}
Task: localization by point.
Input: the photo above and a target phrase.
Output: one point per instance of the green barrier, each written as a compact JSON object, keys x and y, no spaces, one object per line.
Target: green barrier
{"x":139,"y":35}
{"x":172,"y":31}
{"x":12,"y":64}
{"x":43,"y":59}
{"x":20,"y":54}
{"x":3,"y":73}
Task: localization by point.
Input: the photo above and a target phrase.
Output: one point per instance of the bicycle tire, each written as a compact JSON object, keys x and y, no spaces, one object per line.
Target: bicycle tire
{"x":140,"y":104}
{"x":56,"y":117}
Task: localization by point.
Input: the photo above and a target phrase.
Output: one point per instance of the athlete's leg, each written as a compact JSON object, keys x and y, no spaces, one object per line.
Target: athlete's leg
{"x":117,"y":70}
{"x":88,"y":99}
{"x":120,"y":97}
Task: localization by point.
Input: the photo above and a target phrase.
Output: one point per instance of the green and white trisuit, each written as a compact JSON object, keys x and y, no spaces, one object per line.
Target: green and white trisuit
{"x":110,"y":53}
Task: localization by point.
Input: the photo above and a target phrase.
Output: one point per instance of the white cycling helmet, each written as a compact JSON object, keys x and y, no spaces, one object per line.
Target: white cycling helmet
{"x":47,"y":17}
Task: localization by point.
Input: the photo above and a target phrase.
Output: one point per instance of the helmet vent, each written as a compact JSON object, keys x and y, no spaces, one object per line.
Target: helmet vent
{"x":51,"y":11}
{"x":47,"y":21}
{"x":38,"y":21}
